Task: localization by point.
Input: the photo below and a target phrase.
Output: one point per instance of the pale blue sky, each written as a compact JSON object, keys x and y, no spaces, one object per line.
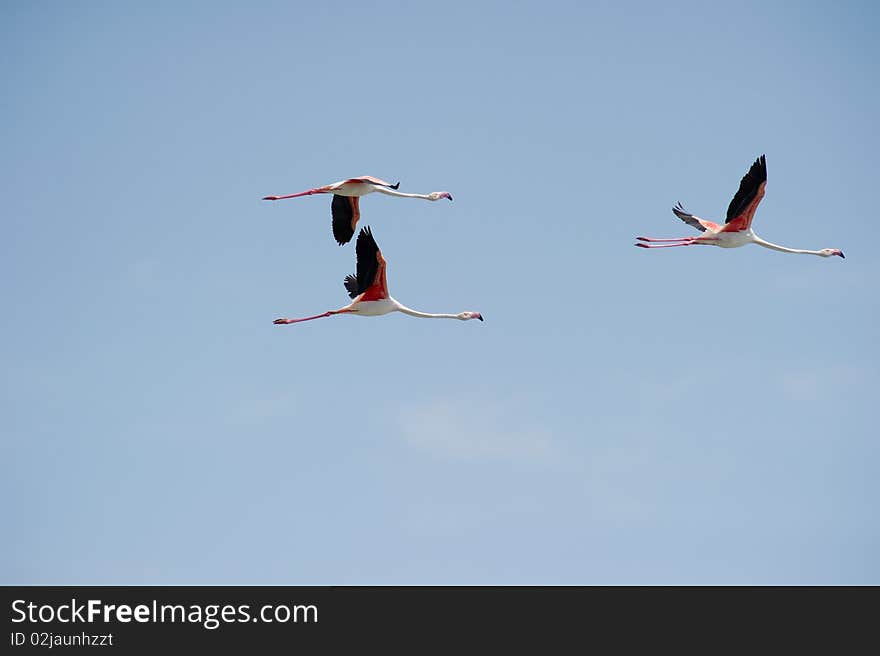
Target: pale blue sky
{"x":622,"y":416}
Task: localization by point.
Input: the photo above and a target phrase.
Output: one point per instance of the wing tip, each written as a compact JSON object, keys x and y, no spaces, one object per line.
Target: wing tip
{"x":341,"y":214}
{"x":366,"y":233}
{"x":679,"y":210}
{"x":351,"y":285}
{"x":760,"y":166}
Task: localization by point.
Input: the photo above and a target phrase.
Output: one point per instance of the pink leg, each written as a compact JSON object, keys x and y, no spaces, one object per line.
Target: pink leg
{"x":676,"y":239}
{"x":322,"y":190}
{"x":280,"y":322}
{"x":681,"y":241}
{"x":687,"y":243}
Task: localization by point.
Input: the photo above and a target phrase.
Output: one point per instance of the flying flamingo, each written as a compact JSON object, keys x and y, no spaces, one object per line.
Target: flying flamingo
{"x":369,"y":289}
{"x":345,"y":207}
{"x":737,"y":230}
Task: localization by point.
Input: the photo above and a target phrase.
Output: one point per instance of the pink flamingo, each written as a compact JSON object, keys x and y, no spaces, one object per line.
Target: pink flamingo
{"x":737,"y":230}
{"x":345,"y":207}
{"x":369,"y":289}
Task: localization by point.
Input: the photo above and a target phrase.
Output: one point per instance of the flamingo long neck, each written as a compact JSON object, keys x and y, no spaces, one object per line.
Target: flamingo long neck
{"x":423,"y":315}
{"x":783,"y":249}
{"x":394,"y":192}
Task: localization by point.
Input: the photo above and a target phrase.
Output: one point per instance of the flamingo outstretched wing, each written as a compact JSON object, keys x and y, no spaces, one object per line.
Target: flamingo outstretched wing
{"x":370,"y":277}
{"x":345,"y":211}
{"x":751,"y":190}
{"x":693,"y":220}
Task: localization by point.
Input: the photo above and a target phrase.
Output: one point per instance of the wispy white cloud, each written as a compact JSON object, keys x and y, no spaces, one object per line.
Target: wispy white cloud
{"x":468,"y":430}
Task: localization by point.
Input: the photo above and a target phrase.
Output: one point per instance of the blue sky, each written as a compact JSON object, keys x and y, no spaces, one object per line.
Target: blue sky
{"x":622,"y":416}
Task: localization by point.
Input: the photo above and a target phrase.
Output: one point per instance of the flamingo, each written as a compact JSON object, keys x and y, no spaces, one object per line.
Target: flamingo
{"x":369,"y":289}
{"x":345,"y":207}
{"x":737,"y":230}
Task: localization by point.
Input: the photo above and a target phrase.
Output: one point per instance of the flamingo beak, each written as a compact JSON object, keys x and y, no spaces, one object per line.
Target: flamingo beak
{"x":480,"y":317}
{"x":449,"y":196}
{"x":841,"y":254}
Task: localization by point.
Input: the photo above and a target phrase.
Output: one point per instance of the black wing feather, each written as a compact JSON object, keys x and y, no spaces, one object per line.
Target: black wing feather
{"x":342,"y":214}
{"x":748,"y":188}
{"x":690,"y":219}
{"x":351,"y":284}
{"x":367,"y":264}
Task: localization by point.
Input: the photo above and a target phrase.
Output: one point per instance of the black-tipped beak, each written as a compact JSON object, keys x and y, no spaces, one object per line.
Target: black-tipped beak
{"x":480,"y":317}
{"x":842,"y":255}
{"x":450,"y":198}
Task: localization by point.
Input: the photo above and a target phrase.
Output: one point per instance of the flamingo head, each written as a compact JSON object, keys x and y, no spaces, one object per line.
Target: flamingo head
{"x":437,"y":195}
{"x":828,"y":252}
{"x":465,"y":316}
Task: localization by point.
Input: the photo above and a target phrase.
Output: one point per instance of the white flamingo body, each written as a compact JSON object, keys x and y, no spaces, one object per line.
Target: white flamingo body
{"x":736,"y":231}
{"x":345,"y":207}
{"x":348,"y":188}
{"x":369,"y":289}
{"x":372,"y":308}
{"x":735,"y":239}
{"x":730,"y":239}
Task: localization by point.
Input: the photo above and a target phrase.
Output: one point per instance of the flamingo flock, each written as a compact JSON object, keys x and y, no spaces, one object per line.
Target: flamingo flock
{"x":368,"y":287}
